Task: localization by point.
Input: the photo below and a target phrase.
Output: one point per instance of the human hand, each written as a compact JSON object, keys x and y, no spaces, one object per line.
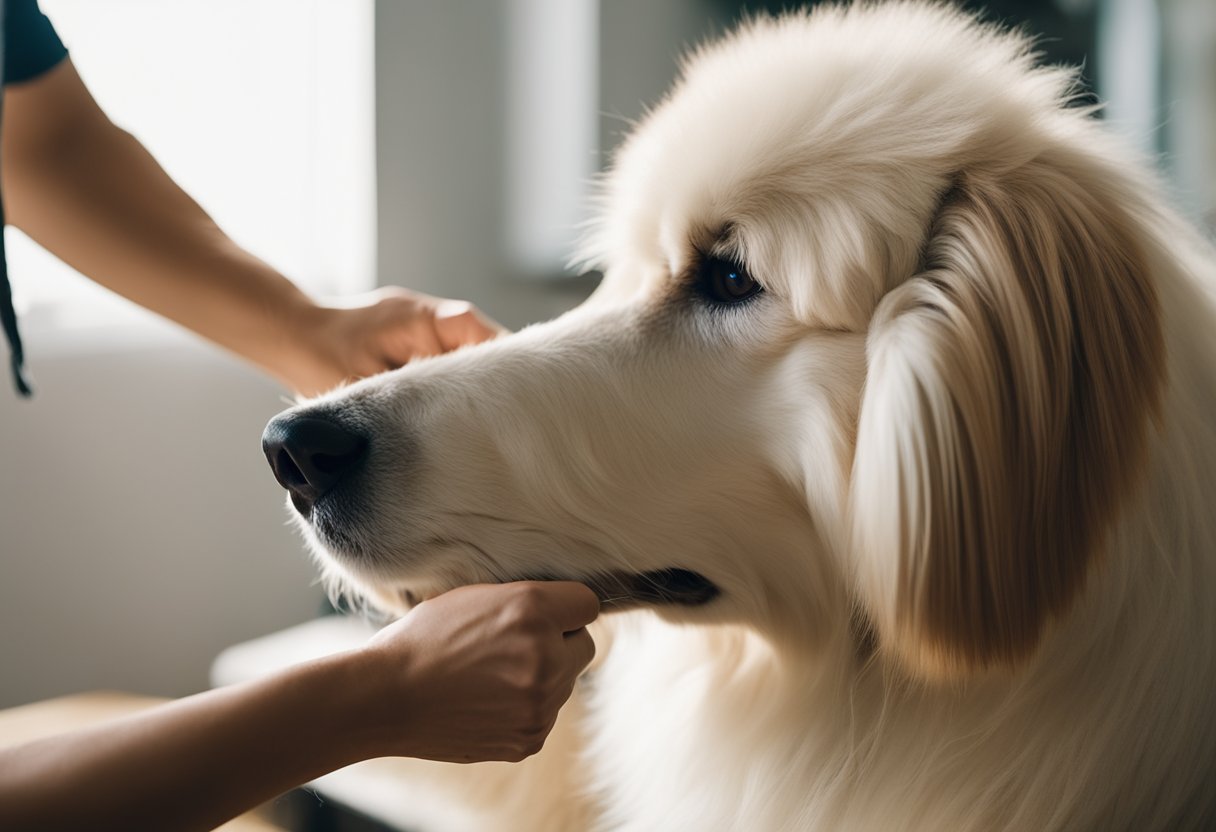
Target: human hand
{"x":369,"y":333}
{"x":478,"y":673}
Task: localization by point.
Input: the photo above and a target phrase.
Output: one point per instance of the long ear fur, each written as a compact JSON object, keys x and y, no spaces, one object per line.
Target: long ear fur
{"x":1009,"y":391}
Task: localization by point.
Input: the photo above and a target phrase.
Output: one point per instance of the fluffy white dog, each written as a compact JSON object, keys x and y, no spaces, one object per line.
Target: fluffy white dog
{"x":895,"y":417}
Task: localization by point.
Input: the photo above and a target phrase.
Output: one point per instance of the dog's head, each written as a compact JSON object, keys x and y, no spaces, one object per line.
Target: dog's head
{"x":875,"y":336}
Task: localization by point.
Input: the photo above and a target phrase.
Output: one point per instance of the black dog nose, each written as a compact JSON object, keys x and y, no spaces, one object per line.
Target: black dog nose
{"x":309,"y":454}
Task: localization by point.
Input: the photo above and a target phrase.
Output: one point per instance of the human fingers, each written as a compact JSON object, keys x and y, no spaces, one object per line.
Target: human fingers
{"x":459,"y":323}
{"x":569,"y":605}
{"x":402,"y":332}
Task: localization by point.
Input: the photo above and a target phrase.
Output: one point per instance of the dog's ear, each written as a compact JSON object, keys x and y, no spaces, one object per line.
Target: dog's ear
{"x":1010,"y":388}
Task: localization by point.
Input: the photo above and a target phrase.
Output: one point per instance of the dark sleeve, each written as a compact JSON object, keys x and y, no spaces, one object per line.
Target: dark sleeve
{"x":31,"y":46}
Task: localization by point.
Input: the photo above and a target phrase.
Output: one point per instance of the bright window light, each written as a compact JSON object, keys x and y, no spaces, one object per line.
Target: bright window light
{"x":552,"y":91}
{"x":262,"y":110}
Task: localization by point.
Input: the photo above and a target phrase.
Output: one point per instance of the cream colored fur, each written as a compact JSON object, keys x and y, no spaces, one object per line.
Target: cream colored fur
{"x":954,"y":471}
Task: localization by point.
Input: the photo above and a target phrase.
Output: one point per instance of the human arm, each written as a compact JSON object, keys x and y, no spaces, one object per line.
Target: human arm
{"x":476,"y":674}
{"x":91,"y":194}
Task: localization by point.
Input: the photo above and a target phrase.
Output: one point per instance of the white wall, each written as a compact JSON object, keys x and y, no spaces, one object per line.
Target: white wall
{"x":141,"y":531}
{"x":444,"y":134}
{"x":440,"y":148}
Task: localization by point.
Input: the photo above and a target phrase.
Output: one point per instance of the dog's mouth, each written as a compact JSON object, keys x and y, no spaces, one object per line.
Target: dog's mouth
{"x":631,"y":590}
{"x":662,"y":587}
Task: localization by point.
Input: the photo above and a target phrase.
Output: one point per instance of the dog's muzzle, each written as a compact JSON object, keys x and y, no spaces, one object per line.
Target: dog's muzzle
{"x":311,"y":454}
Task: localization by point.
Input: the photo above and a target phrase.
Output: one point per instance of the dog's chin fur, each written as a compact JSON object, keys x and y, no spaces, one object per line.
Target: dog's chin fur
{"x":951,"y":473}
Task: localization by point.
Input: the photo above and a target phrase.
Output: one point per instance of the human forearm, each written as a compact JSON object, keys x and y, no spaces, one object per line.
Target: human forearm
{"x":478,"y":673}
{"x":91,"y":194}
{"x":191,"y":764}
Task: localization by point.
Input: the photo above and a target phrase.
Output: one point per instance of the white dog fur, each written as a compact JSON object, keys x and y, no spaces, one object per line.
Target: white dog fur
{"x":953,"y":471}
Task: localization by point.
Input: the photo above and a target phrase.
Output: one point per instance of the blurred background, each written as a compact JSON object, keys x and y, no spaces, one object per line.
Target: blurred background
{"x":444,"y":146}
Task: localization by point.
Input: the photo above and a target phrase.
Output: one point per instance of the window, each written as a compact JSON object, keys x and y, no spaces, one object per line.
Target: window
{"x":260,"y":109}
{"x":551,"y":142}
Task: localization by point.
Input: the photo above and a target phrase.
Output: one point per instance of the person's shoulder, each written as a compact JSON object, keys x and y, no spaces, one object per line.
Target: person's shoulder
{"x":31,"y":45}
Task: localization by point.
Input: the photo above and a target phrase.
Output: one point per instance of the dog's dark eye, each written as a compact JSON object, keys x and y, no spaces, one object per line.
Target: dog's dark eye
{"x":725,"y":281}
